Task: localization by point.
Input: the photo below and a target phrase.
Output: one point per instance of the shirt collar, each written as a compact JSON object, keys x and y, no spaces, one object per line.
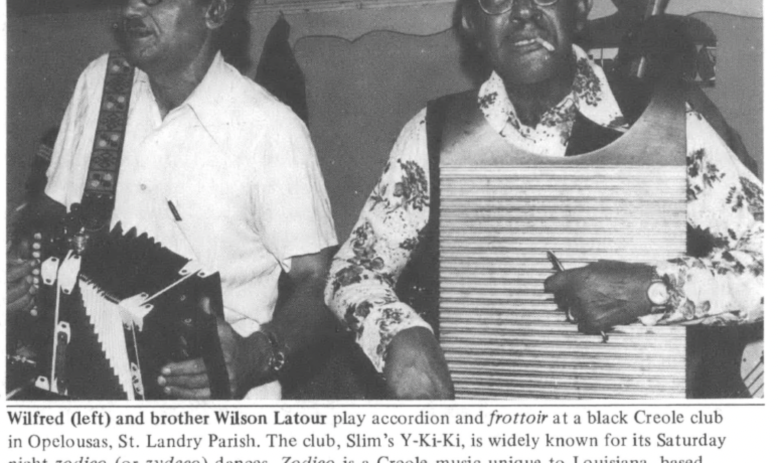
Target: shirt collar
{"x":590,"y":96}
{"x":209,"y":97}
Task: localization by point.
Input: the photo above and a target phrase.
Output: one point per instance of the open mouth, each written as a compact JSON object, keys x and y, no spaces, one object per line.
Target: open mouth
{"x":137,"y":33}
{"x":134,"y":29}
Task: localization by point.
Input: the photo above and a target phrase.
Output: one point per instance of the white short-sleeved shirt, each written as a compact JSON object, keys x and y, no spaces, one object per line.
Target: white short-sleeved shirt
{"x":238,"y":165}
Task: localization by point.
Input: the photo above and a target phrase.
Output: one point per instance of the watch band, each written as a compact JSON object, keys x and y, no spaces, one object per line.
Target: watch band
{"x":277,"y":359}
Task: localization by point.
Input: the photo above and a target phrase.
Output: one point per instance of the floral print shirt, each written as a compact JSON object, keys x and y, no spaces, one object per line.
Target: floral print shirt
{"x":724,"y":200}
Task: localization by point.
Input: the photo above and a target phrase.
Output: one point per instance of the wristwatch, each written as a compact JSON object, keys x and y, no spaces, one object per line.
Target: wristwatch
{"x":277,"y":358}
{"x":658,"y":292}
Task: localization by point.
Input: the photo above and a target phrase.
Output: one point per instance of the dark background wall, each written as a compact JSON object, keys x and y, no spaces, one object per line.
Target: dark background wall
{"x":393,"y":75}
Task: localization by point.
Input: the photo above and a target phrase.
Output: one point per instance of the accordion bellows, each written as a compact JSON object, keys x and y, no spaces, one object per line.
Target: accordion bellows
{"x":130,"y":307}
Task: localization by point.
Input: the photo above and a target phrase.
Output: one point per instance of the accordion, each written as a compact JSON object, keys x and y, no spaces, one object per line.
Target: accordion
{"x":120,"y":310}
{"x":502,"y":335}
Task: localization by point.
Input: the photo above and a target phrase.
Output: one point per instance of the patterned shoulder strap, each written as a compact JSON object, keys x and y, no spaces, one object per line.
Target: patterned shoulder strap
{"x":100,"y":191}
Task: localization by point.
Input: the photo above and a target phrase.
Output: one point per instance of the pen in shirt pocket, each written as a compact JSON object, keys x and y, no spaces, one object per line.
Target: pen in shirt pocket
{"x":173,"y":209}
{"x":179,"y":224}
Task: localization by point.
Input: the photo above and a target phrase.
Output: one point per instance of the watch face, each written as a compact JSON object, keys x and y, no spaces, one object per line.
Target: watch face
{"x":657,"y":293}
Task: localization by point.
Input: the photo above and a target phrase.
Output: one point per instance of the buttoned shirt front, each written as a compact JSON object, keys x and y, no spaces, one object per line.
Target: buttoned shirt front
{"x":238,"y":167}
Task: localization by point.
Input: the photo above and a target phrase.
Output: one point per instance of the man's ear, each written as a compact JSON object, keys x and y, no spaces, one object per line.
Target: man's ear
{"x":467,"y":23}
{"x":583,"y":7}
{"x":217,"y":12}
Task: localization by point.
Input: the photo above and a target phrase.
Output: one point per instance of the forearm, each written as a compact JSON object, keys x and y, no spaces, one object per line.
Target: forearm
{"x":360,"y":289}
{"x":371,"y":310}
{"x":391,"y":334}
{"x":302,"y":319}
{"x":361,"y":283}
{"x":723,"y":283}
{"x":724,"y":288}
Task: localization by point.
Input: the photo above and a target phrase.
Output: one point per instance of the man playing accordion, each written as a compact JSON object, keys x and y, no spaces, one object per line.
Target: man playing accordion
{"x":215,"y":169}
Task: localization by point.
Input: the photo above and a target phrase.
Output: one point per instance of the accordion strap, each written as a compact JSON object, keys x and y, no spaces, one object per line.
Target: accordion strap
{"x":100,"y":190}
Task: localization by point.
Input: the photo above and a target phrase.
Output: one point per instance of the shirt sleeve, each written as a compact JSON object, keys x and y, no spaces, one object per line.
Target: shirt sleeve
{"x":725,"y":208}
{"x":291,"y":206}
{"x":360,"y":287}
{"x":72,"y":151}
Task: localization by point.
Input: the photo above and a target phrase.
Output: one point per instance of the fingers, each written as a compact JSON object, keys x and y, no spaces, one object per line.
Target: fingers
{"x":188,"y":380}
{"x":566,"y":288}
{"x":605,"y":316}
{"x":17,"y":270}
{"x":602,"y":294}
{"x":185,"y":380}
{"x":205,"y":304}
{"x":589,"y":327}
{"x":25,"y":303}
{"x":36,"y":250}
{"x":20,"y":295}
{"x":21,"y":249}
{"x":191,"y":394}
{"x":197,"y":381}
{"x":186,"y":368}
{"x":21,"y":289}
{"x":560,"y":285}
{"x":557,"y":282}
{"x":22,"y":280}
{"x":225,"y":332}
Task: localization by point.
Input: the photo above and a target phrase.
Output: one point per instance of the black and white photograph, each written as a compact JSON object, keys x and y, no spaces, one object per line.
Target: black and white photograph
{"x":341,"y":200}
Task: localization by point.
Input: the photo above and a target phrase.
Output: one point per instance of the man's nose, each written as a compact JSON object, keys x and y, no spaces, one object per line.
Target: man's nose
{"x":522,"y":10}
{"x":133,"y":8}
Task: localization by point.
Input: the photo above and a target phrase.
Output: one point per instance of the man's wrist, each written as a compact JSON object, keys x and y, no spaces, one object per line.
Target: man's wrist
{"x":276,"y":353}
{"x":254,"y":353}
{"x":658,"y":293}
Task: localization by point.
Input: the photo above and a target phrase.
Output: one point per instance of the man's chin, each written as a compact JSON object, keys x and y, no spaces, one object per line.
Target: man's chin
{"x":527,"y":77}
{"x":136,"y":50}
{"x":137,"y":56}
{"x":549,"y":73}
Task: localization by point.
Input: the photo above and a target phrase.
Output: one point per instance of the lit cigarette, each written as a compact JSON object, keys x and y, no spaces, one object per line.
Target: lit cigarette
{"x":545,"y":44}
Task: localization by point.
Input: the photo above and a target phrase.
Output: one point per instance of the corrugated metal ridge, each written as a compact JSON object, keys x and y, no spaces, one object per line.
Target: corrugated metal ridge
{"x":560,"y":171}
{"x":502,"y":335}
{"x":665,"y":363}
